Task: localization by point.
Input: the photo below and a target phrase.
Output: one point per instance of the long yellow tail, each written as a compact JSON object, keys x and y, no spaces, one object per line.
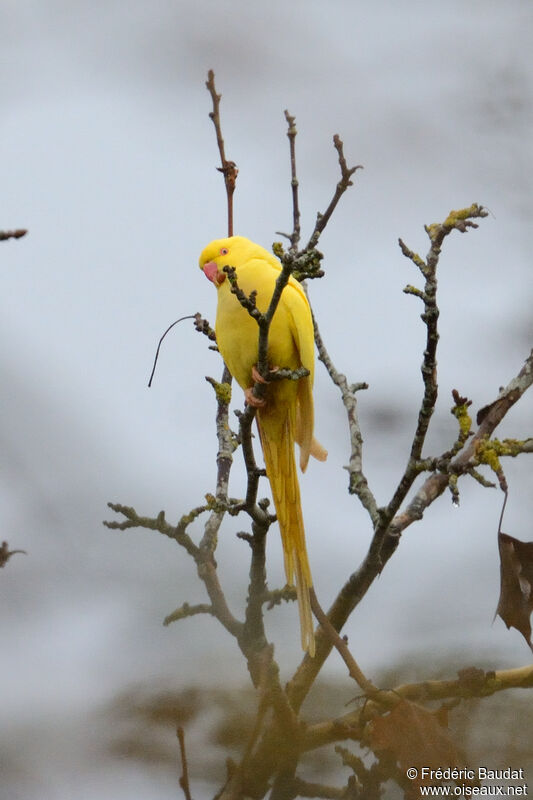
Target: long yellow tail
{"x":277,"y":439}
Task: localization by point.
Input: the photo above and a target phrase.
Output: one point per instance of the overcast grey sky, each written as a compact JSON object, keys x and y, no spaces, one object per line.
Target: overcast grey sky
{"x":108,"y":157}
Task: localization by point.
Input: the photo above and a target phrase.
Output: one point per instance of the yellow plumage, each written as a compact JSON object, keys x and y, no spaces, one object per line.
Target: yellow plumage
{"x":287,"y":415}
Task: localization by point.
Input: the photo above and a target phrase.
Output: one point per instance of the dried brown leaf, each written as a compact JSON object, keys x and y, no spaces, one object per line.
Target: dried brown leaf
{"x":516,"y":584}
{"x":416,"y":737}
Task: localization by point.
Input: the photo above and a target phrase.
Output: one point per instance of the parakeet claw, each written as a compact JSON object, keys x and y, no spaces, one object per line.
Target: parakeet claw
{"x":251,"y":399}
{"x":258,"y":378}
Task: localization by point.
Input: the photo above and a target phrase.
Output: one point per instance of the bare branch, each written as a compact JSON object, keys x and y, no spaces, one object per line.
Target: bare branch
{"x":280,"y":735}
{"x":159,"y":523}
{"x":184,"y":780}
{"x":207,"y":572}
{"x":483,"y":684}
{"x":253,"y":472}
{"x":386,"y":540}
{"x":345,"y":181}
{"x":186,"y":610}
{"x":247,"y":301}
{"x":292,"y":133}
{"x":358,"y":483}
{"x":456,"y":220}
{"x":435,"y":485}
{"x":224,"y":460}
{"x":277,"y":596}
{"x":342,"y":646}
{"x":470,"y":683}
{"x":203,"y":326}
{"x":285,"y":373}
{"x":203,"y":554}
{"x":514,"y":447}
{"x":229,"y":168}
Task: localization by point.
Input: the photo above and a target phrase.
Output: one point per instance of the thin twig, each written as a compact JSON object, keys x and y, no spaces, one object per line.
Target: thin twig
{"x":456,"y":220}
{"x":358,"y":483}
{"x":184,"y":780}
{"x":229,"y":168}
{"x":266,"y":320}
{"x":341,"y":645}
{"x":343,"y":184}
{"x":186,"y":610}
{"x":159,"y":523}
{"x":224,"y":461}
{"x":203,"y":557}
{"x":203,"y":326}
{"x":292,"y":133}
{"x":275,"y":597}
{"x":215,"y":113}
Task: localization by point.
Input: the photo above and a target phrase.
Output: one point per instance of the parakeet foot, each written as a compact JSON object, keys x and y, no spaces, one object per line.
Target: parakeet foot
{"x":251,"y":399}
{"x":256,"y":376}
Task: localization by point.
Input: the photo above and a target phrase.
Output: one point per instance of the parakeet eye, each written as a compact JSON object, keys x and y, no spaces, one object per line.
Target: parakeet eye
{"x":224,"y":251}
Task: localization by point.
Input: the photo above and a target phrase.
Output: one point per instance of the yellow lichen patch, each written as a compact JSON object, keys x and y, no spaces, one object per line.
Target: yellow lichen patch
{"x":223,"y":392}
{"x":460,"y":216}
{"x":464,"y":419}
{"x":433,"y":230}
{"x":418,"y":260}
{"x":509,"y":447}
{"x":487,"y":453}
{"x":454,"y":489}
{"x":278,"y":250}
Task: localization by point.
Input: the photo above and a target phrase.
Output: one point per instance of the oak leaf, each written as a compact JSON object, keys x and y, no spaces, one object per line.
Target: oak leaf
{"x":516,"y":584}
{"x":416,"y":738}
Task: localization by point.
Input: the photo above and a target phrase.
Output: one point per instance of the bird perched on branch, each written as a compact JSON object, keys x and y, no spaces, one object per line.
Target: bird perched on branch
{"x":285,"y":415}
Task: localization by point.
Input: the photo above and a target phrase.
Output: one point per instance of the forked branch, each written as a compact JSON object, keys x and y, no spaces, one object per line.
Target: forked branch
{"x":229,"y":168}
{"x":344,"y":183}
{"x":279,"y":736}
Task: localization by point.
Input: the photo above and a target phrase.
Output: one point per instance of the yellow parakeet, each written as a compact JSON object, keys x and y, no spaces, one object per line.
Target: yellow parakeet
{"x":286,"y":415}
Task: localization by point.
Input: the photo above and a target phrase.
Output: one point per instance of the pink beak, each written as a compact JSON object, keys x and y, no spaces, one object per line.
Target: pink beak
{"x":212,"y":273}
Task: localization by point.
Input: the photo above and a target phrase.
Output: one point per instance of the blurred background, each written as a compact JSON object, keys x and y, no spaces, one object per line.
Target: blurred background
{"x":108,"y":157}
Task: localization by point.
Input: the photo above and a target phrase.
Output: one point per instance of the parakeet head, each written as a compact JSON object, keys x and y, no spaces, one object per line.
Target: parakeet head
{"x":233,"y":252}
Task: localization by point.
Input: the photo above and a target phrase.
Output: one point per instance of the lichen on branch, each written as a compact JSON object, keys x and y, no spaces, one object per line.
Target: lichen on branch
{"x":281,"y":734}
